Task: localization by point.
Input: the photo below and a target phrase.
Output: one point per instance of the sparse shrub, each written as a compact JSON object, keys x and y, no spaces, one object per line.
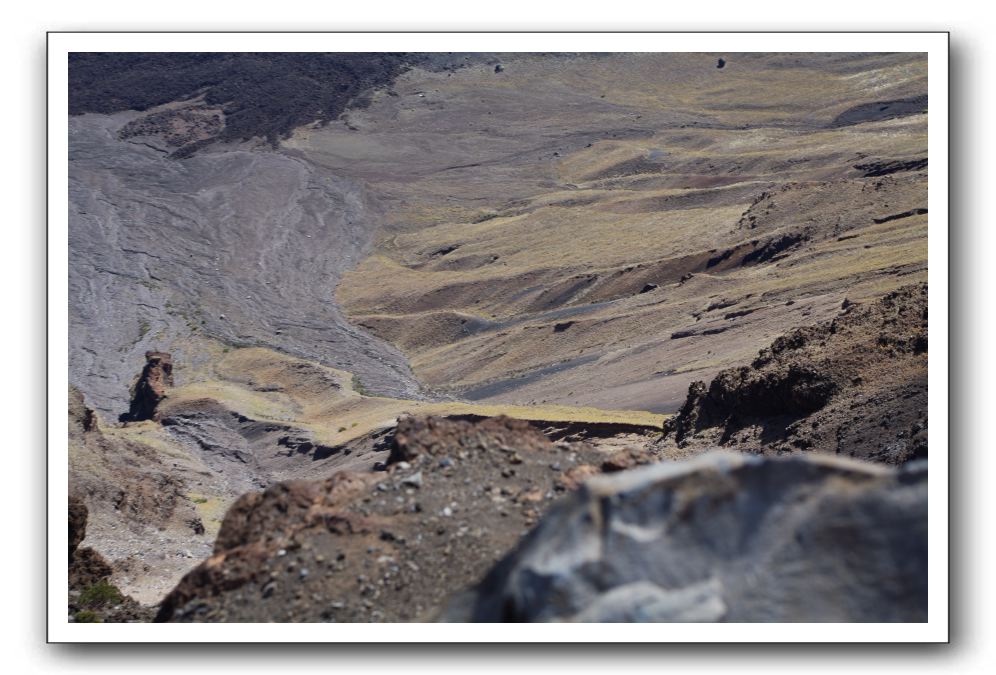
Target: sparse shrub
{"x":359,"y":388}
{"x":86,"y":616}
{"x":101,"y":594}
{"x":341,"y":429}
{"x":199,"y":500}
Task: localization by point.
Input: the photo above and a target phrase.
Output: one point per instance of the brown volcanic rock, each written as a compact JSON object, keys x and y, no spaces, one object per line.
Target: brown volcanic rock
{"x":856,"y":386}
{"x":82,"y":419}
{"x":150,"y":389}
{"x":628,"y":458}
{"x":122,"y":476}
{"x":92,"y":597}
{"x":261,"y":516}
{"x":416,"y":436}
{"x":391,"y":545}
{"x":87,"y":568}
{"x":77,"y":523}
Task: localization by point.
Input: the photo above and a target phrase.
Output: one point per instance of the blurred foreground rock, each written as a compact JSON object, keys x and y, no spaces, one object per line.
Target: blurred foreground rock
{"x":722,"y":537}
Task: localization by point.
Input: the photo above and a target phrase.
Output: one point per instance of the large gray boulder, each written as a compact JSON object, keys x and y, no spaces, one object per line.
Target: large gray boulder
{"x":722,"y":537}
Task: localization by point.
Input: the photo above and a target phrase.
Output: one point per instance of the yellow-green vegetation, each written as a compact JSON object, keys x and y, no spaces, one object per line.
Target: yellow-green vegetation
{"x":211,"y":510}
{"x":150,"y":434}
{"x":306,"y":404}
{"x":494,"y":241}
{"x":100,"y":594}
{"x":569,"y":241}
{"x":357,"y":386}
{"x":87,"y":616}
{"x":239,"y":397}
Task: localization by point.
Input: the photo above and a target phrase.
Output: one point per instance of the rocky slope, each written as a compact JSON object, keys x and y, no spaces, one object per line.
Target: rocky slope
{"x":92,"y":597}
{"x":390,"y":545}
{"x":457,"y":494}
{"x":853,"y":386}
{"x":158,"y":488}
{"x":190,"y":226}
{"x":722,"y":537}
{"x":138,"y":493}
{"x":468,"y":185}
{"x":236,"y":246}
{"x":643,"y":220}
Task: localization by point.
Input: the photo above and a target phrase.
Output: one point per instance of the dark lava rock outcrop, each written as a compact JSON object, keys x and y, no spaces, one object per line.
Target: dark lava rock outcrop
{"x":855,"y":386}
{"x":150,"y":389}
{"x":391,"y":545}
{"x":722,"y":537}
{"x":266,"y":95}
{"x":881,"y":110}
{"x":886,"y":167}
